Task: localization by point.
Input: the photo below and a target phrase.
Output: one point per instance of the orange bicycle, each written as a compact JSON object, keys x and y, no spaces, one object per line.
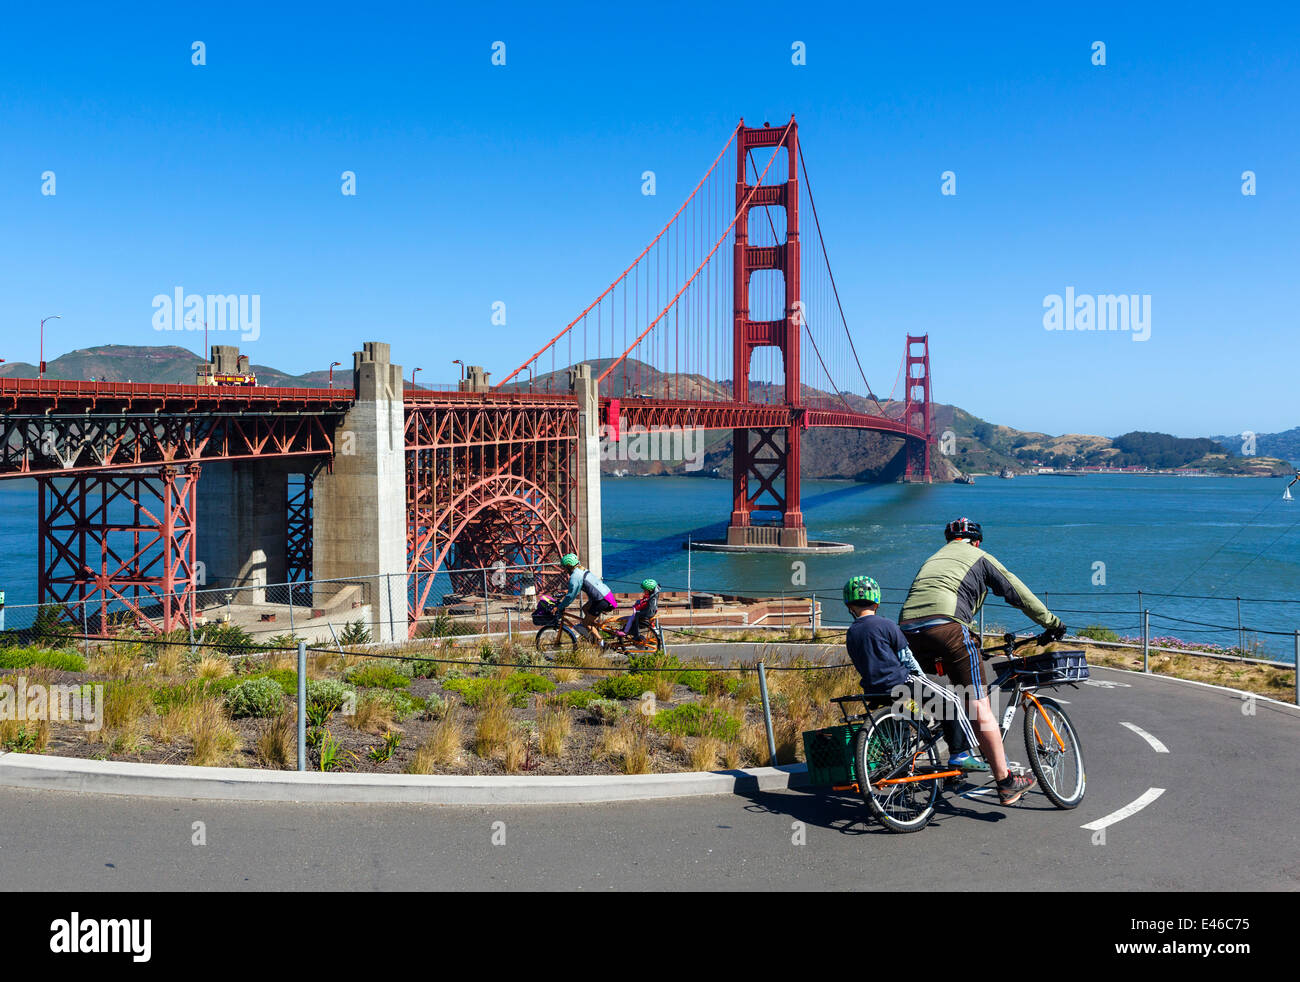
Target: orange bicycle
{"x":895,"y":760}
{"x":562,"y":634}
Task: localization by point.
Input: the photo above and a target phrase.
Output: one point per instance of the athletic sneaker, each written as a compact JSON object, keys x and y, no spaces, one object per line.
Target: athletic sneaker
{"x":1013,"y":788}
{"x":968,"y":762}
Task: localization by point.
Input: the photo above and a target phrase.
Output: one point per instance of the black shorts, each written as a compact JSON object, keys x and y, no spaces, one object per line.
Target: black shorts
{"x":597,"y":606}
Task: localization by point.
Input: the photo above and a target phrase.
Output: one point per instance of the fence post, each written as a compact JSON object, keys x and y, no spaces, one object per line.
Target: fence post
{"x":812,"y":615}
{"x":767,"y":714}
{"x":302,"y":705}
{"x":487,"y":621}
{"x":334,"y":636}
{"x":1241,"y":634}
{"x":509,"y":624}
{"x":690,"y":597}
{"x":1140,"y":608}
{"x":1297,"y":668}
{"x":85,"y":629}
{"x":1146,"y":640}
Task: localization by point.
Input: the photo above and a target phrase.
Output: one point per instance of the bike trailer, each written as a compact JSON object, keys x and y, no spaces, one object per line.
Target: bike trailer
{"x":1051,"y":668}
{"x":829,"y":754}
{"x":545,"y":612}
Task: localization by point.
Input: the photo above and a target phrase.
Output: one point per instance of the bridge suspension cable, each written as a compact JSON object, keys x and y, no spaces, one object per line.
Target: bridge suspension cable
{"x":621,"y":280}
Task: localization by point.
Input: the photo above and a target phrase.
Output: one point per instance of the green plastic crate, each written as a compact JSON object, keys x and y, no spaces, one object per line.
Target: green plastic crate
{"x":829,"y":754}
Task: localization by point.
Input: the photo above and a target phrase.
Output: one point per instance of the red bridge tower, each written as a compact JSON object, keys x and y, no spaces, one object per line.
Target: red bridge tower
{"x":765,"y":457}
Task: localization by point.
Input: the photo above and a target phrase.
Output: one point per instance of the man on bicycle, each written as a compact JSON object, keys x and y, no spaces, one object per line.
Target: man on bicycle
{"x":937,"y":620}
{"x":600,"y":599}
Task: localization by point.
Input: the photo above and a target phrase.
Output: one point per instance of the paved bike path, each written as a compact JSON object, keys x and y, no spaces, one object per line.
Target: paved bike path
{"x":1225,"y":820}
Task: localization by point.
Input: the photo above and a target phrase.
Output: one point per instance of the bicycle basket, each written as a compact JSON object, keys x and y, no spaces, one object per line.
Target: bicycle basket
{"x":1051,"y":668}
{"x":545,"y":612}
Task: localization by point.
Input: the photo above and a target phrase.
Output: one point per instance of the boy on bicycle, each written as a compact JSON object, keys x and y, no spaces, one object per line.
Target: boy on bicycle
{"x":876,"y":646}
{"x":643,"y":611}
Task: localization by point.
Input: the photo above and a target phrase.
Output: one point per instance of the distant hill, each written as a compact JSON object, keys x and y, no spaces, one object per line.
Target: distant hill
{"x":1285,"y":445}
{"x":974,"y":445}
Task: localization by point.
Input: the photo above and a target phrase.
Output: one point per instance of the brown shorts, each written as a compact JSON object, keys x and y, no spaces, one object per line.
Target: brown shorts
{"x":953,"y":646}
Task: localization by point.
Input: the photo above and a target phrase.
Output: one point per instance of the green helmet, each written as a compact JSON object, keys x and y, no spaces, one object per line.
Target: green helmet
{"x":862,"y":590}
{"x":569,"y":560}
{"x":649,"y":585}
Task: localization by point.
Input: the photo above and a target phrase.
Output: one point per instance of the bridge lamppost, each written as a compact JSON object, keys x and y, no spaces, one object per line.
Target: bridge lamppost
{"x":457,"y":361}
{"x":52,"y":317}
{"x":332,"y":364}
{"x":413,"y":371}
{"x":530,"y":378}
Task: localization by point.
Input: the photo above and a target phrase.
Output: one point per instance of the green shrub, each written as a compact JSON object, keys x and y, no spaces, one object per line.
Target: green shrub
{"x":64,"y":661}
{"x":624,"y":686}
{"x":404,"y":705}
{"x":355,"y":633}
{"x":260,"y":697}
{"x":696,"y":680}
{"x":329,"y":694}
{"x":692,"y":719}
{"x":435,"y":706}
{"x":578,"y":698}
{"x":229,"y":638}
{"x":1098,"y":633}
{"x":382,"y":674}
{"x":516,"y":686}
{"x":606,"y":710}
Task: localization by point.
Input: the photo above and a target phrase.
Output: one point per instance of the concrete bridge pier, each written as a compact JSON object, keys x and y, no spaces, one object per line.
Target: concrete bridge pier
{"x":243,"y":527}
{"x":359,"y":504}
{"x":586,"y":389}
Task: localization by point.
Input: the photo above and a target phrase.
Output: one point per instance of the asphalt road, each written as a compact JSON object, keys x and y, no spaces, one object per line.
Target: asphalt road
{"x":1226,"y":819}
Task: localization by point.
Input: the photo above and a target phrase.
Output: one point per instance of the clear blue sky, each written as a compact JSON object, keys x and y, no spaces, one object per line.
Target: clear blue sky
{"x":478,"y":183}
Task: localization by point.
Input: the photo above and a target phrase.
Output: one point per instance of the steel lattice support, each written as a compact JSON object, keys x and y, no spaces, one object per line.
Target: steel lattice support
{"x":298,"y":531}
{"x":487,"y":483}
{"x":916,"y":413}
{"x":123,"y":542}
{"x":783,"y":334}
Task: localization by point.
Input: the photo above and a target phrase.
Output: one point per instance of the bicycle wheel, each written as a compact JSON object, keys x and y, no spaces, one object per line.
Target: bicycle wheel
{"x":892,"y":746}
{"x":556,"y":638}
{"x":1058,"y":765}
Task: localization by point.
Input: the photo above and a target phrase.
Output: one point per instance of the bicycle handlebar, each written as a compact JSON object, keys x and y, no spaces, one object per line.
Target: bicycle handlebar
{"x":1010,"y":643}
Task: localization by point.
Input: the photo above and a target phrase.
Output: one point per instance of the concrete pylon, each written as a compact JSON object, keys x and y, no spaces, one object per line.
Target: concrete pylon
{"x":589,"y":524}
{"x":359,"y":505}
{"x":243,"y":525}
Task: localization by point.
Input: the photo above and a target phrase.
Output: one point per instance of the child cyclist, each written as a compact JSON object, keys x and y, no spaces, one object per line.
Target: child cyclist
{"x":643,"y":611}
{"x":876,"y":646}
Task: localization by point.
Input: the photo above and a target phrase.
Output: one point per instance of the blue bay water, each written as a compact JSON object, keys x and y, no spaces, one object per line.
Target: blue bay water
{"x":1150,"y":532}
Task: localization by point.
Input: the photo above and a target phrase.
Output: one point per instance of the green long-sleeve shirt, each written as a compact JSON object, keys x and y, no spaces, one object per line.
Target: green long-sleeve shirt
{"x":954,"y":582}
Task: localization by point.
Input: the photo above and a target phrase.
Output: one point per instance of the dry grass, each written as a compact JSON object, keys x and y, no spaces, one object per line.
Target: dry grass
{"x":33,"y":734}
{"x":117,"y":661}
{"x":442,"y":747}
{"x":553,"y":726}
{"x":677,"y":742}
{"x":664,"y":686}
{"x":515,"y":751}
{"x":277,"y":742}
{"x":733,"y":755}
{"x":214,"y":738}
{"x":636,"y":760}
{"x":704,"y":755}
{"x":753,"y":740}
{"x":492,"y":731}
{"x":1264,"y":680}
{"x":373,"y":715}
{"x":213,"y":667}
{"x":170,"y":662}
{"x":128,"y":710}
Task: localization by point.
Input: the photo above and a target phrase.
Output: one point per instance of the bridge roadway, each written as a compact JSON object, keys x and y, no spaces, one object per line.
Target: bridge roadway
{"x":1224,"y":821}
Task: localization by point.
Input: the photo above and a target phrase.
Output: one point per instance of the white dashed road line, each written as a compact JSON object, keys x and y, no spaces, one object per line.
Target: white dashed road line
{"x":1156,"y":745}
{"x":1147,"y":796}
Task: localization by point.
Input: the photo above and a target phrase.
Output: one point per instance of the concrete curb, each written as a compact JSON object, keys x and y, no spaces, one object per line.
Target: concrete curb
{"x":47,"y":773}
